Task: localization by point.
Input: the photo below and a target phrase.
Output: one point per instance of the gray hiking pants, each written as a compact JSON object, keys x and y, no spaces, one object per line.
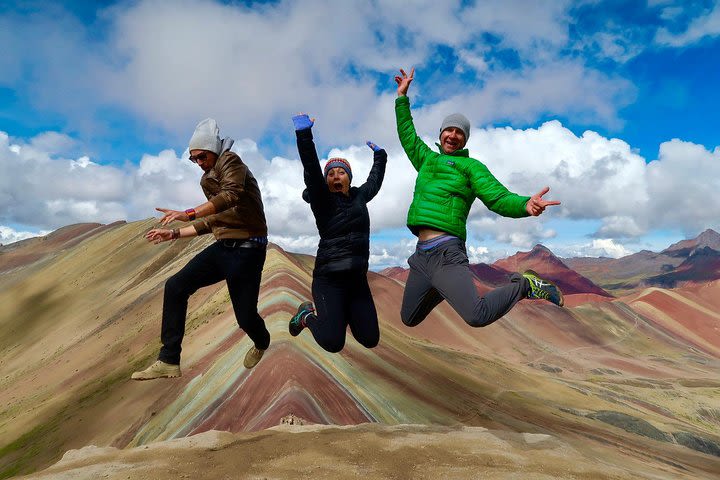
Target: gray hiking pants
{"x":443,"y":273}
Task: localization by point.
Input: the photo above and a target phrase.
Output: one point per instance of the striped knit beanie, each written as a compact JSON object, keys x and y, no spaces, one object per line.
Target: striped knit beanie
{"x":338,"y":162}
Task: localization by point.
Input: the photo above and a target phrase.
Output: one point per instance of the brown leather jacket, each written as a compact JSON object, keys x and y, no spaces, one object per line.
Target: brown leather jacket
{"x":231,"y":187}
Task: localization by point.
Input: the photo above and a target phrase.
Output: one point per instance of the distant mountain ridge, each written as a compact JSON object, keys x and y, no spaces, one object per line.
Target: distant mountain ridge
{"x":544,"y":262}
{"x":691,"y":260}
{"x":709,"y":238}
{"x":701,"y":264}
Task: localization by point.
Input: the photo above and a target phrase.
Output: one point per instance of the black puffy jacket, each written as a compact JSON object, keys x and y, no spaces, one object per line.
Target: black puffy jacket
{"x":342,"y":221}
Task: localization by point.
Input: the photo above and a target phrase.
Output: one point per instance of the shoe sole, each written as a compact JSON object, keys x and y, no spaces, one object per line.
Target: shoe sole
{"x":251,"y":366}
{"x":562,"y":299}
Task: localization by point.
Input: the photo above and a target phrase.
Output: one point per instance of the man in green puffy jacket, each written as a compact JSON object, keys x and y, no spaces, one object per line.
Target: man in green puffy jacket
{"x":448,"y":182}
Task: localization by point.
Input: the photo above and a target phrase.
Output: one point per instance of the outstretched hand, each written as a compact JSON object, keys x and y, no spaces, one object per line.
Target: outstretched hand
{"x":158,"y":235}
{"x":302,"y":122}
{"x":403,"y":80}
{"x":536,"y":205}
{"x":170,"y":215}
{"x":374,"y":147}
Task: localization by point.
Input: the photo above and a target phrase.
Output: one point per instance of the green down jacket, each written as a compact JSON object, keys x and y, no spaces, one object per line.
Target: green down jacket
{"x":447,"y":184}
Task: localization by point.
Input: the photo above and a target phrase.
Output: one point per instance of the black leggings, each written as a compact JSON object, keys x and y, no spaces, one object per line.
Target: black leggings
{"x":241,"y":268}
{"x":342,"y":299}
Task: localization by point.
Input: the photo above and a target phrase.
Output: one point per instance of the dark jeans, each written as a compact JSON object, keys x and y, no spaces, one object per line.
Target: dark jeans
{"x":342,"y":299}
{"x":443,"y":273}
{"x":241,"y":268}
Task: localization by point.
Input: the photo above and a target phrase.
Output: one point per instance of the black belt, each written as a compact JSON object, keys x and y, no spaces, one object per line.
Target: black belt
{"x":242,"y":244}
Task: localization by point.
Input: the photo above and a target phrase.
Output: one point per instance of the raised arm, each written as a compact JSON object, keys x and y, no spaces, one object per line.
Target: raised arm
{"x":312,"y":173}
{"x":377,"y":173}
{"x":416,"y":150}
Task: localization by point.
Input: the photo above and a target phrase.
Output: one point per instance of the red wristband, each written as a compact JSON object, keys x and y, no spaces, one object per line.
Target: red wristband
{"x":190,"y":212}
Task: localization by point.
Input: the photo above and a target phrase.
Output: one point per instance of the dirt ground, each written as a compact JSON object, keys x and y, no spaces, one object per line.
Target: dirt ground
{"x":369,"y":451}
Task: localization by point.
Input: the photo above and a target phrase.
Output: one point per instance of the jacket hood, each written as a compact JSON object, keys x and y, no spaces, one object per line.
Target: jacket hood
{"x":226,"y":144}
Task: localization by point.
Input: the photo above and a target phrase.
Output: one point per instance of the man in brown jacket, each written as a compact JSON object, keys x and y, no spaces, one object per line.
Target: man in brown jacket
{"x":234,"y":214}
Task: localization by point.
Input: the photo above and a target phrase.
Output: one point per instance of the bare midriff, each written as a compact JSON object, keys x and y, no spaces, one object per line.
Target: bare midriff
{"x":428,"y":234}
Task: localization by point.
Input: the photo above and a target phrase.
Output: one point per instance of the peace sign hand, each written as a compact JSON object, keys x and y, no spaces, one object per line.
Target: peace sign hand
{"x":404,"y":81}
{"x":536,"y":205}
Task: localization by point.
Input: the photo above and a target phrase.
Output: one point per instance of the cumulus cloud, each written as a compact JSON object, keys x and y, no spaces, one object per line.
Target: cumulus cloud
{"x":10,"y":235}
{"x":385,"y":254}
{"x":599,"y":247}
{"x":682,"y":187}
{"x":595,"y":178}
{"x":301,"y":244}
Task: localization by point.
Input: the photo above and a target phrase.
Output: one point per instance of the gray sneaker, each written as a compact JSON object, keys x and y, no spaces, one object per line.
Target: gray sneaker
{"x":158,"y":369}
{"x":252,"y":357}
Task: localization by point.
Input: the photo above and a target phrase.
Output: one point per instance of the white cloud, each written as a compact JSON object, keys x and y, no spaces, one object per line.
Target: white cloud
{"x":618,"y":43}
{"x":542,"y":27}
{"x":301,"y":244}
{"x":53,"y":143}
{"x":594,"y":177}
{"x":385,"y":254}
{"x":559,"y":87}
{"x":608,"y":248}
{"x":263,"y":64}
{"x":599,"y":247}
{"x":683,"y":185}
{"x":10,"y":235}
{"x":699,"y":28}
{"x":478,"y":254}
{"x":671,"y":13}
{"x":50,"y":191}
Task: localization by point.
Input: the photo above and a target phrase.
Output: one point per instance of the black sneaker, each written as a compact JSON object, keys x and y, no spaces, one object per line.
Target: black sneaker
{"x":544,"y":289}
{"x":297,"y":322}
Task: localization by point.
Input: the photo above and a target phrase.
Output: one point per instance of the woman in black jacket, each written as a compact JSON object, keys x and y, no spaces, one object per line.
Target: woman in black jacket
{"x":340,"y":288}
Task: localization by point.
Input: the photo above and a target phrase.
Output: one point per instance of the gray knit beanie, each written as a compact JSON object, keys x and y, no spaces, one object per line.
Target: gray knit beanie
{"x":457,"y":120}
{"x":206,"y":137}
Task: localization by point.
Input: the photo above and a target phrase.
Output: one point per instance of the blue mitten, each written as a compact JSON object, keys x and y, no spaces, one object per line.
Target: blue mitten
{"x":374,"y":147}
{"x":302,"y":122}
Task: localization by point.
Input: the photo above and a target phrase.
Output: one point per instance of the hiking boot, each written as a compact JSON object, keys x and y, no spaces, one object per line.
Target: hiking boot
{"x":252,"y":357}
{"x":297,"y":322}
{"x":158,"y":369}
{"x":544,"y":289}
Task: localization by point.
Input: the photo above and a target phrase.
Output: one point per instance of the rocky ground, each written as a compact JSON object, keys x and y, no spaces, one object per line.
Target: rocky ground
{"x":365,"y":451}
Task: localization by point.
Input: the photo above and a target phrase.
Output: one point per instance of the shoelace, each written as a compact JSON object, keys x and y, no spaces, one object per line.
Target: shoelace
{"x":538,"y":290}
{"x":299,"y":319}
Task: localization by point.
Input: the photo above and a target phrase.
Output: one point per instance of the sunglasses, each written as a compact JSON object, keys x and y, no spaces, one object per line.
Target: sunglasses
{"x":198,"y":158}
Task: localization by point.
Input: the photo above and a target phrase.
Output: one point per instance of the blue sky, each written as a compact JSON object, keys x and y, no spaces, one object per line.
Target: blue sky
{"x":612,"y":104}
